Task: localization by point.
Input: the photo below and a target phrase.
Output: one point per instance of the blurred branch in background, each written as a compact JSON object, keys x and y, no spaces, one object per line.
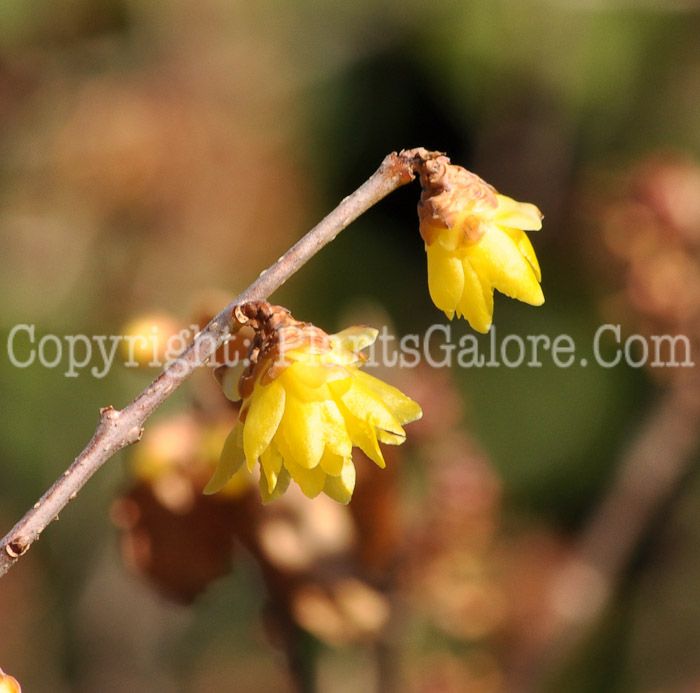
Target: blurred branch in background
{"x":652,"y":235}
{"x":579,"y":591}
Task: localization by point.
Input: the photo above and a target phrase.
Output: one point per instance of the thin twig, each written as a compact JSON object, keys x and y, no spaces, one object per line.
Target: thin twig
{"x":119,"y":428}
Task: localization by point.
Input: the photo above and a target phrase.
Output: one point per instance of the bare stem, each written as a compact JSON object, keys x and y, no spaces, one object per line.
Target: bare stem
{"x":119,"y":428}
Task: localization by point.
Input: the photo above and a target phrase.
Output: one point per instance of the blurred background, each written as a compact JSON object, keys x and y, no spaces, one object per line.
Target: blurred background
{"x":541,"y":528}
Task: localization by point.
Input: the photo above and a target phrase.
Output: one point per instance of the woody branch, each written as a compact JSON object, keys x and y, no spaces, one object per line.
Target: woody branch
{"x":118,"y":429}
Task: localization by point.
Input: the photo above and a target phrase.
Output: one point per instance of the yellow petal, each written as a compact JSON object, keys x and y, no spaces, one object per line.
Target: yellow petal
{"x":497,"y":260}
{"x":280,"y":442}
{"x":303,"y":381}
{"x":403,"y":408}
{"x":390,"y":438}
{"x":230,"y":462}
{"x":526,"y":250}
{"x":283,"y":480}
{"x":354,"y":338}
{"x":335,"y":433}
{"x":445,"y":278}
{"x":451,"y":239}
{"x":364,"y":436}
{"x":517,"y":215}
{"x":365,"y":405}
{"x":476,"y":304}
{"x":271,"y":465}
{"x":263,"y":419}
{"x":331,"y":463}
{"x":302,"y":428}
{"x":310,"y":481}
{"x":307,"y":378}
{"x":340,"y":487}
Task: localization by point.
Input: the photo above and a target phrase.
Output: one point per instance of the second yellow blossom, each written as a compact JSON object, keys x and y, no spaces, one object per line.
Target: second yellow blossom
{"x":475,"y":241}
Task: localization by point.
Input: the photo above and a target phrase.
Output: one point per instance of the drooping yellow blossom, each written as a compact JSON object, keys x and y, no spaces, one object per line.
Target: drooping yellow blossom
{"x":475,"y":241}
{"x":305,"y":405}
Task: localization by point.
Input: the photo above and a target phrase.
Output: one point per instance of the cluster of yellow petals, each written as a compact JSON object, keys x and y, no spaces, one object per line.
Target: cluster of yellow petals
{"x":475,"y":241}
{"x":302,"y":419}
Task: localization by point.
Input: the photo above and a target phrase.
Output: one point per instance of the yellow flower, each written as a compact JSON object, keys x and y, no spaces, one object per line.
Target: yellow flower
{"x":305,"y":404}
{"x":475,"y":241}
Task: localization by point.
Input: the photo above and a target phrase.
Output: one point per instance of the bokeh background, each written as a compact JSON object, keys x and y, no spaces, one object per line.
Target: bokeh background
{"x":540,"y":530}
